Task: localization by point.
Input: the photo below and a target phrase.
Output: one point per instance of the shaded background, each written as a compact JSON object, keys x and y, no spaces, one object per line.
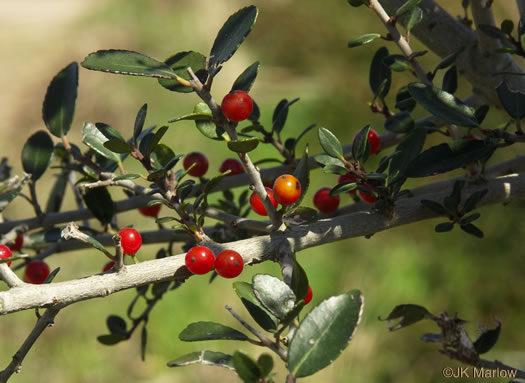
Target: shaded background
{"x":302,"y":50}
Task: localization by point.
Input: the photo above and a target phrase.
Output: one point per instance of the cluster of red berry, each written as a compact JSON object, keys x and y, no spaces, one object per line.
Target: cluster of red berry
{"x":285,"y":191}
{"x":36,"y":271}
{"x":201,"y":260}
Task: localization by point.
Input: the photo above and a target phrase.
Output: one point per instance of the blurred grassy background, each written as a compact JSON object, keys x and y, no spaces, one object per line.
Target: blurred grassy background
{"x":302,"y":50}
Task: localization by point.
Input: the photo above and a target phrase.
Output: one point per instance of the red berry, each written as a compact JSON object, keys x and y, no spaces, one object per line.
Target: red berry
{"x":373,"y":140}
{"x":201,"y":164}
{"x":36,"y":272}
{"x":287,"y":189}
{"x":473,"y":138}
{"x":257,"y":205}
{"x":309,"y":296}
{"x":233,"y":165}
{"x":229,"y":264}
{"x":200,"y":260}
{"x":237,"y":106}
{"x":324,"y":202}
{"x":367,"y":197}
{"x":19,"y":242}
{"x":348,"y":178}
{"x":150,"y":211}
{"x":108,"y":266}
{"x":5,"y":252}
{"x":130,"y":240}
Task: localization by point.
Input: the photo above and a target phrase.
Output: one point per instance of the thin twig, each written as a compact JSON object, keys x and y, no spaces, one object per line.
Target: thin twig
{"x":9,"y":277}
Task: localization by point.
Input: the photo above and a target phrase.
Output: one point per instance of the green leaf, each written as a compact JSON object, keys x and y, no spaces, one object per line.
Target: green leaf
{"x":397,"y":63}
{"x":448,"y":156}
{"x":513,"y":101}
{"x":487,"y":339}
{"x":325,"y":160}
{"x":111,"y":339}
{"x":473,"y":230}
{"x":127,"y":62}
{"x":335,"y":169}
{"x":473,"y":200}
{"x":299,"y":284}
{"x":230,"y":37}
{"x":280,"y":114}
{"x":481,"y":113}
{"x":450,"y":82}
{"x":302,"y":173}
{"x":116,"y":325}
{"x":207,"y":128}
{"x":452,"y":201}
{"x":443,"y":104}
{"x":408,"y":149}
{"x":436,"y":207}
{"x":401,"y":122}
{"x":100,"y":203}
{"x":343,"y":188}
{"x":210,"y":358}
{"x":143,"y":342}
{"x":117,"y":146}
{"x":301,"y":135}
{"x":360,"y":145}
{"x":165,"y":219}
{"x":363,"y":40}
{"x":179,"y":64}
{"x":51,"y":276}
{"x":275,"y":295}
{"x":247,"y":368}
{"x":139,"y":121}
{"x":156,"y":139}
{"x":162,"y":155}
{"x":408,"y":6}
{"x":210,"y":331}
{"x":128,"y":176}
{"x":56,"y":196}
{"x":414,"y":18}
{"x":245,"y":80}
{"x":469,"y":219}
{"x":60,"y":100}
{"x":265,"y":362}
{"x":213,"y":182}
{"x":449,"y":60}
{"x":404,"y":100}
{"x":109,"y":132}
{"x":407,"y":314}
{"x":263,"y":317}
{"x":244,"y":145}
{"x":93,"y":138}
{"x":330,"y":143}
{"x":380,"y":75}
{"x":444,"y":227}
{"x":37,"y":153}
{"x":324,"y":333}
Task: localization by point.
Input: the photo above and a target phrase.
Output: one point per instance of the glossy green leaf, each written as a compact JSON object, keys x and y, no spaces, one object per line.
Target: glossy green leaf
{"x":473,"y":230}
{"x":404,"y":100}
{"x":280,"y":114}
{"x":469,"y":219}
{"x":436,"y":207}
{"x":60,"y":100}
{"x":127,"y":62}
{"x":37,"y":153}
{"x":116,"y":325}
{"x":162,"y":155}
{"x":408,"y":149}
{"x":330,"y":143}
{"x":93,"y":138}
{"x":444,"y":227}
{"x":117,"y":146}
{"x":247,"y":368}
{"x":179,"y":64}
{"x":206,"y":127}
{"x":481,"y":113}
{"x":401,"y":122}
{"x":261,"y":315}
{"x":487,"y":339}
{"x":360,"y":145}
{"x":513,"y":101}
{"x":51,"y":276}
{"x":473,"y":200}
{"x":325,"y":160}
{"x":156,"y":139}
{"x":230,"y":36}
{"x":397,"y":63}
{"x":363,"y":40}
{"x":246,"y":79}
{"x":128,"y":176}
{"x":139,"y":121}
{"x":407,"y":314}
{"x":443,"y":104}
{"x":299,"y":284}
{"x":452,"y":201}
{"x":275,"y":295}
{"x":209,"y":358}
{"x":265,"y":362}
{"x":448,"y":156}
{"x":110,"y":339}
{"x":449,"y":60}
{"x":343,"y":187}
{"x":408,"y":6}
{"x":324,"y":333}
{"x":109,"y":132}
{"x":244,"y":145}
{"x":209,"y":331}
{"x":414,"y":18}
{"x":450,"y":82}
{"x":99,"y":202}
{"x":56,"y":196}
{"x":380,"y":75}
{"x":335,"y":169}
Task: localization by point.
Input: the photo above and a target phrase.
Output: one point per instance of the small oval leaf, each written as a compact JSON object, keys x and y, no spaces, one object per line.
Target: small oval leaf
{"x":210,"y":358}
{"x":363,"y":40}
{"x":245,"y":80}
{"x":330,"y":143}
{"x":179,"y":64}
{"x":37,"y":153}
{"x":244,"y":145}
{"x":274,"y":294}
{"x":209,"y":331}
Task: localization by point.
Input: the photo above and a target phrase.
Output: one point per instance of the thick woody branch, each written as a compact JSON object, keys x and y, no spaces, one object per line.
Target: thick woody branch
{"x":482,"y":15}
{"x":254,"y":250}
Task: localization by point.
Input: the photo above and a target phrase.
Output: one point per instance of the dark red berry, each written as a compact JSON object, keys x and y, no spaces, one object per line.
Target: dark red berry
{"x":287,"y":189}
{"x":36,"y":272}
{"x":108,"y":266}
{"x":130,"y":240}
{"x":309,"y":296}
{"x":200,"y":260}
{"x":257,"y":205}
{"x":5,"y":252}
{"x":233,"y":165}
{"x":229,"y":264}
{"x":367,"y":197}
{"x":473,"y":138}
{"x":374,"y":140}
{"x":348,"y":178}
{"x":200,"y":161}
{"x":237,"y":106}
{"x":324,"y":202}
{"x":19,"y":242}
{"x":150,"y":211}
